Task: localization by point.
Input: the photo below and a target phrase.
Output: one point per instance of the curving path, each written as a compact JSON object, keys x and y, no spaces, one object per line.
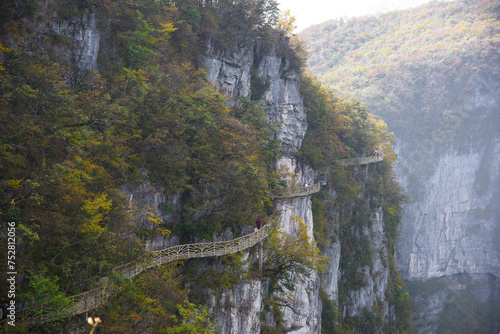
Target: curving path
{"x":304,"y":191}
{"x":299,"y":191}
{"x":361,"y":161}
{"x":97,"y":297}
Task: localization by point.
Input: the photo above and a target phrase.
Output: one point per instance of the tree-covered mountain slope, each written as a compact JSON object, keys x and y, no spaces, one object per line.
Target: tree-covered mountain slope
{"x":408,"y":66}
{"x":433,"y":74}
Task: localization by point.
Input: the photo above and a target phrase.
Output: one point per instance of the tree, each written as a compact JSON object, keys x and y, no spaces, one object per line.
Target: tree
{"x":291,"y":256}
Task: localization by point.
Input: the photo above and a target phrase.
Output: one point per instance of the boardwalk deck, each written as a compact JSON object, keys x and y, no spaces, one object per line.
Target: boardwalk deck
{"x":97,"y":297}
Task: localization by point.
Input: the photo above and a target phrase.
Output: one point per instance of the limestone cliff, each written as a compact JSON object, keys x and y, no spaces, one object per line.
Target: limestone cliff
{"x":230,"y":71}
{"x":78,"y":39}
{"x":238,"y":309}
{"x":451,"y":223}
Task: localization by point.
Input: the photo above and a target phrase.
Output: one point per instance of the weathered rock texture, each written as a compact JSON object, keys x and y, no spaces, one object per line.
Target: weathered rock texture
{"x":358,"y":287}
{"x":78,"y":39}
{"x":451,"y":223}
{"x":305,"y":314}
{"x":284,"y":102}
{"x":376,"y":274}
{"x":230,"y":71}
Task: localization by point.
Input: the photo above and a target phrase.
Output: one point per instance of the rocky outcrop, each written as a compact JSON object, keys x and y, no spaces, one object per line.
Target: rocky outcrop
{"x":451,"y":222}
{"x":150,"y":208}
{"x":239,"y":309}
{"x":376,"y":275}
{"x":84,"y":35}
{"x":230,"y":71}
{"x":284,"y":102}
{"x":304,"y":315}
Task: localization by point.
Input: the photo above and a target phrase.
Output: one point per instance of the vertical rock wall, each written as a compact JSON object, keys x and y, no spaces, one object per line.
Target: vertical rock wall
{"x":305,"y":314}
{"x":239,"y":309}
{"x":358,"y":277}
{"x":230,"y":72}
{"x":376,"y":275}
{"x":284,"y":102}
{"x":83,"y":32}
{"x":451,"y":223}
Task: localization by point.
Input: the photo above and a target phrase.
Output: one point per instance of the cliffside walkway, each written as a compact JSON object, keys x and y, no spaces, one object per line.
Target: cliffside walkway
{"x":299,"y":191}
{"x":304,"y":191}
{"x":361,"y":161}
{"x":97,"y":297}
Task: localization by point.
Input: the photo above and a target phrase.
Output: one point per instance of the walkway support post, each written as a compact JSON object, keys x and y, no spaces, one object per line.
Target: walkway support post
{"x":261,"y":253}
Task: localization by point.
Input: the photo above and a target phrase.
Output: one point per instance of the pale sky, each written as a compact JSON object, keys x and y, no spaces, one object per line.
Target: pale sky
{"x":309,"y":12}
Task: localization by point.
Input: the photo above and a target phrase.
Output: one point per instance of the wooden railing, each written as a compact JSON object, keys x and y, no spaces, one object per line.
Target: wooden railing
{"x":361,"y":161}
{"x":299,"y":191}
{"x":304,"y":191}
{"x":190,"y":251}
{"x":97,"y":297}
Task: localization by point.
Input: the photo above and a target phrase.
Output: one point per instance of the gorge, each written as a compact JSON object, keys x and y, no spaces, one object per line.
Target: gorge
{"x":129,"y":127}
{"x":432,"y":74}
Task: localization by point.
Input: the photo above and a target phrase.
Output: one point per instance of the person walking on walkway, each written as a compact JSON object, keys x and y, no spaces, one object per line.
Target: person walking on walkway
{"x":258,"y":223}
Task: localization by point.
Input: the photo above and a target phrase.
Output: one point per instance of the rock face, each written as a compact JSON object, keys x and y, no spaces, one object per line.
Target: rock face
{"x":452,"y":228}
{"x":239,"y":309}
{"x":230,"y":71}
{"x":148,"y":200}
{"x":284,"y":102}
{"x":305,"y":314}
{"x":451,"y":223}
{"x":357,"y":287}
{"x":376,"y":275}
{"x":450,"y":302}
{"x":85,"y":37}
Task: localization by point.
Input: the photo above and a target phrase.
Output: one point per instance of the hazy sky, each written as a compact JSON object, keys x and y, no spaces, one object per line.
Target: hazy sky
{"x":309,"y":12}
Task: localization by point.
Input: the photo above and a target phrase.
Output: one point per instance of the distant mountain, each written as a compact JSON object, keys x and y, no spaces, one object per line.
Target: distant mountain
{"x":396,"y":61}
